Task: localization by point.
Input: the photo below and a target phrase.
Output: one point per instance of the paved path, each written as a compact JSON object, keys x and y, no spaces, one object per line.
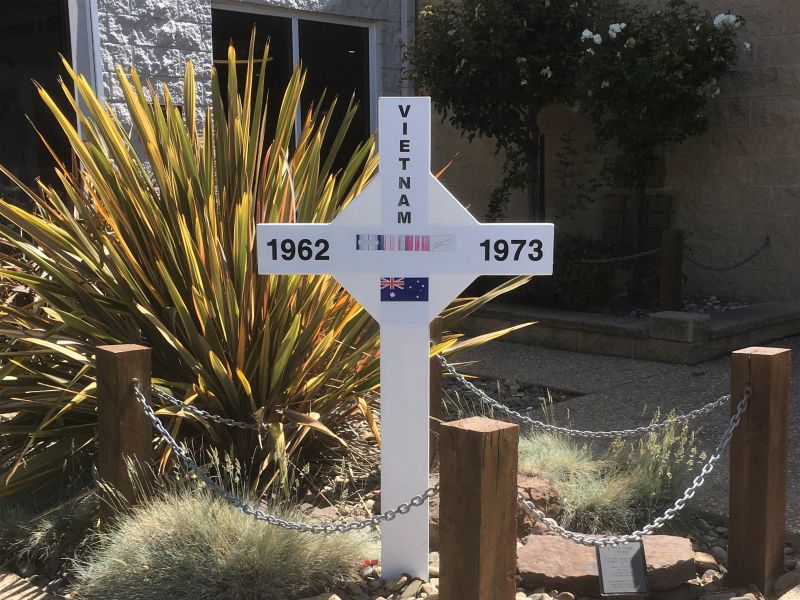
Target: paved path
{"x":622,"y":392}
{"x":13,"y":587}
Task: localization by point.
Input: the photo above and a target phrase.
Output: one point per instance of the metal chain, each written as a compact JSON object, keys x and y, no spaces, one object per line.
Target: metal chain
{"x":658,"y":522}
{"x":617,"y":259}
{"x":621,"y":433}
{"x":702,"y":265}
{"x":260,"y":515}
{"x":203,"y":413}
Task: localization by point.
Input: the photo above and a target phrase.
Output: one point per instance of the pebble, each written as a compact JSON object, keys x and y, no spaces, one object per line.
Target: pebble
{"x":790,"y":564}
{"x":704,"y":525}
{"x":433,"y":570}
{"x":428,"y":588}
{"x":396,"y":583}
{"x":566,"y":596}
{"x":720,"y":554}
{"x":412,"y":589}
{"x":520,"y":596}
{"x":721,"y":530}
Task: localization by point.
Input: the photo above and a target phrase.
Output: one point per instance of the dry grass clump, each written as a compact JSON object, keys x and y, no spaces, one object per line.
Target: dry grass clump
{"x":191,"y":545}
{"x":614,"y":489}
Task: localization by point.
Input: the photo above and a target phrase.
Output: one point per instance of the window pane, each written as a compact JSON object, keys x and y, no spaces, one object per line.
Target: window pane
{"x":32,"y":34}
{"x":337,"y":59}
{"x":230,"y":27}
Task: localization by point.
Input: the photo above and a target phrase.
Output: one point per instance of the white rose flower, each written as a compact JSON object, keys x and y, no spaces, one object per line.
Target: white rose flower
{"x":586,"y":35}
{"x":598,"y":39}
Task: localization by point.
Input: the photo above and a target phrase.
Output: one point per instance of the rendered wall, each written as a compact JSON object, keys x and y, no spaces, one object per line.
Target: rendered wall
{"x":731,"y":187}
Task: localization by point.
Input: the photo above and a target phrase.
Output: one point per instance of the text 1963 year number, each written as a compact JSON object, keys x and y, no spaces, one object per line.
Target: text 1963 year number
{"x":501,"y":250}
{"x":303,"y":249}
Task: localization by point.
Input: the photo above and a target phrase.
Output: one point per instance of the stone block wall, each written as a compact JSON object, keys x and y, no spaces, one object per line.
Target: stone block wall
{"x":157,"y":37}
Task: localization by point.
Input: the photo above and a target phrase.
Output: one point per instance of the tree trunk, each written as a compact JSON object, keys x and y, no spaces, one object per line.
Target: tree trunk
{"x":640,"y":201}
{"x":533,"y":179}
{"x":533,"y":170}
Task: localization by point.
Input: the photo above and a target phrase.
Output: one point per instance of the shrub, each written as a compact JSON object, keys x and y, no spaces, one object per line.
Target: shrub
{"x":157,"y":247}
{"x":191,"y":546}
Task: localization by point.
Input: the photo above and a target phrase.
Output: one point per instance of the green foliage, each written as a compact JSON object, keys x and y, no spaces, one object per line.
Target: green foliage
{"x":647,"y":85}
{"x":574,"y":284}
{"x":613,"y":490}
{"x":492,"y":66}
{"x":192,"y":546}
{"x":156,"y":246}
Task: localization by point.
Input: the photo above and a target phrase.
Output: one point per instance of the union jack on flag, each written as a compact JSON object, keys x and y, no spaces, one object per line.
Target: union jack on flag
{"x":393,"y":283}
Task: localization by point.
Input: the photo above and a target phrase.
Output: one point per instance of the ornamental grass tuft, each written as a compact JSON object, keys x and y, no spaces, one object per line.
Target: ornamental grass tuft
{"x":613,"y":489}
{"x":190,"y":545}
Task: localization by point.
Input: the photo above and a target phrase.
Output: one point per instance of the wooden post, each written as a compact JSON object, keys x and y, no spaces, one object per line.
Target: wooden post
{"x":670,"y":295}
{"x":435,"y":393}
{"x":759,"y":449}
{"x":478,"y":510}
{"x":123,"y":429}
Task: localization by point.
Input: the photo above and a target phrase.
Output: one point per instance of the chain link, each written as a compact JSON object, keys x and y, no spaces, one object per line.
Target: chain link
{"x":621,"y":433}
{"x":618,"y":259}
{"x":736,"y":265}
{"x":658,"y":522}
{"x":260,"y":515}
{"x":203,"y":413}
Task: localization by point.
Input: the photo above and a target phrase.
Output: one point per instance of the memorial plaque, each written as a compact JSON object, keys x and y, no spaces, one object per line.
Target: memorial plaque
{"x":623,"y":570}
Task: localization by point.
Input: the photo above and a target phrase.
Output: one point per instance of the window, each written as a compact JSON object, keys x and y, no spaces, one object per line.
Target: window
{"x":32,"y":34}
{"x":336,"y":55}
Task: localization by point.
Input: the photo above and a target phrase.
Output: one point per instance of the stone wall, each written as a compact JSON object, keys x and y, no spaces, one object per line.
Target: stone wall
{"x":157,"y":37}
{"x":731,"y":187}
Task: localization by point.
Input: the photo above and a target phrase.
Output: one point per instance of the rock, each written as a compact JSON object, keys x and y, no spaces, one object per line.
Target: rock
{"x":721,"y":530}
{"x":554,"y":561}
{"x":354,"y":588}
{"x":325,"y":596}
{"x":535,"y":489}
{"x":685,"y":591}
{"x":565,"y":596}
{"x":720,"y":554}
{"x":790,"y":594}
{"x":790,"y":564}
{"x":543,"y":495}
{"x":704,"y":525}
{"x":396,"y":584}
{"x":433,"y":571}
{"x":429,"y":588}
{"x":787,"y":581}
{"x":704,"y":561}
{"x":520,"y":596}
{"x":557,"y":563}
{"x":670,"y":561}
{"x":412,"y":589}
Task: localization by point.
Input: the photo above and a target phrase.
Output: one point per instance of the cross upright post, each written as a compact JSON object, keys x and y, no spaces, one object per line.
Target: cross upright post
{"x":405,"y":248}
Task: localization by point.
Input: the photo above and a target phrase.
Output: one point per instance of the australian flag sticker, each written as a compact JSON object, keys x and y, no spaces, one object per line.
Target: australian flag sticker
{"x":404,"y":289}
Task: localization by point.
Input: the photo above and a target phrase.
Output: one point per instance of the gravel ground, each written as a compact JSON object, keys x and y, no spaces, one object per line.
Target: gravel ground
{"x":619,"y":393}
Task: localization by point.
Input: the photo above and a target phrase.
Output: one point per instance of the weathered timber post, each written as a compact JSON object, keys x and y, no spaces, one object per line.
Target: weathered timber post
{"x":758,"y":460}
{"x":123,"y":430}
{"x":478,"y":510}
{"x":435,"y":391}
{"x":671,"y":270}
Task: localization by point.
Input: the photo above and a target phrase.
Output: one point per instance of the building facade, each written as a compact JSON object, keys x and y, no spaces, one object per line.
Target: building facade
{"x":727,"y":189}
{"x":351,"y":48}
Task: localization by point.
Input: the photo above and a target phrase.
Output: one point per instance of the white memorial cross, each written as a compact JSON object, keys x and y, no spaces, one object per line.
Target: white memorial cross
{"x":405,"y":248}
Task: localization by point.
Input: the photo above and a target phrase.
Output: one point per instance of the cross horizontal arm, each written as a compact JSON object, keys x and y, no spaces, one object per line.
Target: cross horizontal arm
{"x":492,"y":249}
